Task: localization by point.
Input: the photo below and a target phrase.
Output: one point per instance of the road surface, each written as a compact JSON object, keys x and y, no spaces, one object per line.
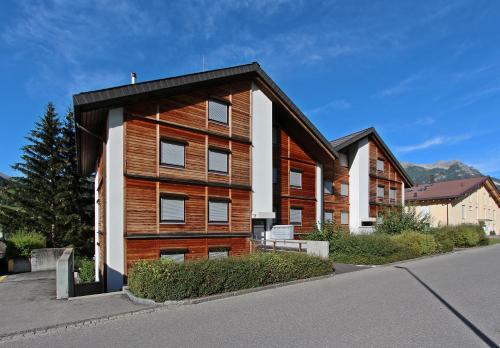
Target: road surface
{"x":445,"y":301}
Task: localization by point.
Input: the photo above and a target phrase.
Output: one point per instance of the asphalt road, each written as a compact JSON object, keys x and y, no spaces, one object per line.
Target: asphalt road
{"x":446,"y":301}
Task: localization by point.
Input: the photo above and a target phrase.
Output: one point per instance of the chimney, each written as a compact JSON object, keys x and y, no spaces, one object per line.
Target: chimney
{"x":133,"y":77}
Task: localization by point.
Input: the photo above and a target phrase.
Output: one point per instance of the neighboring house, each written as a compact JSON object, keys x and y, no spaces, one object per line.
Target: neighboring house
{"x":191,"y":166}
{"x":367,"y":179}
{"x":473,"y":200}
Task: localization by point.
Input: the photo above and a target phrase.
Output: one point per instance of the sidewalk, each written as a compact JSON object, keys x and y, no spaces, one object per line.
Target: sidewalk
{"x":28,"y":302}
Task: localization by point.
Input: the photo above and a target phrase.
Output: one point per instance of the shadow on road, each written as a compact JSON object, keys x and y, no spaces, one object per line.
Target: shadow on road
{"x":489,"y":342}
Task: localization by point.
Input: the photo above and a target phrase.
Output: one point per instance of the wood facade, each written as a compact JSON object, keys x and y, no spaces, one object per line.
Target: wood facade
{"x":388,"y":179}
{"x":336,"y":203}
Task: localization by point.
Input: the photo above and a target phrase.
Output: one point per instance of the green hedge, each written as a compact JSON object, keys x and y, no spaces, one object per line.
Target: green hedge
{"x":459,"y":236}
{"x":20,"y":244}
{"x":163,"y":280}
{"x":86,"y":269}
{"x":414,"y":244}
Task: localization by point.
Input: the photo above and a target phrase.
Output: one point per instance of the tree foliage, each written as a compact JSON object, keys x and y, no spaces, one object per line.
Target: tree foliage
{"x":49,"y":197}
{"x":395,"y":221}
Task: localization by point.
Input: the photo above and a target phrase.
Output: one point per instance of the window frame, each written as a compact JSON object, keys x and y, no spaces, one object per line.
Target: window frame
{"x":219,"y":150}
{"x":344,"y":213}
{"x":174,"y":142}
{"x":383,"y":191}
{"x":381,"y":160}
{"x":301,"y":209}
{"x":174,"y":251}
{"x":219,"y":101}
{"x":172,"y":196}
{"x":330,"y":182}
{"x":395,"y":190}
{"x":218,"y":200}
{"x":345,"y":184}
{"x":298,"y":171}
{"x":218,"y":249}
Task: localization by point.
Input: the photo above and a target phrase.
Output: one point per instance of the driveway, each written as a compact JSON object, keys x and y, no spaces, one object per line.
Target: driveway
{"x":446,"y":301}
{"x":27,"y":301}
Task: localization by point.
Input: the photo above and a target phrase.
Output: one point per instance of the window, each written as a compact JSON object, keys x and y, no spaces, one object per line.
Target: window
{"x":218,"y":211}
{"x":218,"y":161}
{"x":172,"y":209}
{"x":380,"y":191}
{"x":344,"y":160}
{"x":344,"y":189}
{"x":328,"y":187}
{"x":218,"y":253}
{"x":328,"y":216}
{"x":295,"y":178}
{"x":463,"y":212}
{"x":380,"y":165}
{"x":177,"y":255}
{"x":217,"y":111}
{"x":275,"y":175}
{"x":296,"y":216}
{"x":344,"y":218}
{"x":392,"y":194}
{"x":172,"y":153}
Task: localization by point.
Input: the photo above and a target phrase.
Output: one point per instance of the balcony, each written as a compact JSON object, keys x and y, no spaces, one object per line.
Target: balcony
{"x":384,"y":200}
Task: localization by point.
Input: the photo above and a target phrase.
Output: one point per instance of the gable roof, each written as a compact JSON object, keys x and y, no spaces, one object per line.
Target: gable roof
{"x":448,"y":190}
{"x":117,"y":96}
{"x":347,"y":140}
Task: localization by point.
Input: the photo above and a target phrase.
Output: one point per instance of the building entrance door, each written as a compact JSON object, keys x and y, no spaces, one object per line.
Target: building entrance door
{"x":259,"y":229}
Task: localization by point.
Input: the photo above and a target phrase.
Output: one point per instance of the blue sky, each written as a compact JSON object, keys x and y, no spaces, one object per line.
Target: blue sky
{"x":427,"y":75}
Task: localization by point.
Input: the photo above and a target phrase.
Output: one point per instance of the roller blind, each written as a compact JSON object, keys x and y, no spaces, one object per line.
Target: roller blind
{"x":172,"y":153}
{"x":217,"y":111}
{"x":344,"y":189}
{"x":218,"y":211}
{"x":343,"y":159}
{"x":220,"y":254}
{"x":344,"y":218}
{"x":328,"y":188}
{"x":380,"y":165}
{"x":392,"y":194}
{"x":380,"y":191}
{"x":217,"y":161}
{"x":295,"y":178}
{"x":172,"y":209}
{"x":295,"y":216}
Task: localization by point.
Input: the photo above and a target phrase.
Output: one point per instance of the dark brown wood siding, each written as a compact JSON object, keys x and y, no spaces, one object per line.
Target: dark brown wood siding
{"x":336,"y":202}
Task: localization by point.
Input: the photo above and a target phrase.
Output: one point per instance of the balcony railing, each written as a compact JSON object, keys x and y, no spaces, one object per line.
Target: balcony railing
{"x":384,"y":200}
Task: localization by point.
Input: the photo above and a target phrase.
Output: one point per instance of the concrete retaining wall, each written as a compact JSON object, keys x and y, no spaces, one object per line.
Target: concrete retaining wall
{"x":45,"y":259}
{"x":64,"y":275}
{"x":318,"y":248}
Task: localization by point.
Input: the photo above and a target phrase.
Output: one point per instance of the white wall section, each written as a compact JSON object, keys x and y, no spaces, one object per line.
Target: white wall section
{"x":319,"y":194}
{"x":262,"y":155}
{"x":114,"y":201}
{"x":359,"y":185}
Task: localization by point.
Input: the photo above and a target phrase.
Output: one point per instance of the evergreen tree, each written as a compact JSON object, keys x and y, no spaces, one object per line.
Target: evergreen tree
{"x":75,"y":194}
{"x":36,"y":194}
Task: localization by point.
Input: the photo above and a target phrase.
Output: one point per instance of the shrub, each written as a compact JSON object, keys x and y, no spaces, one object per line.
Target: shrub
{"x":462,"y":236}
{"x":398,"y":220}
{"x":86,"y":269}
{"x":20,"y":243}
{"x":163,"y":280}
{"x":414,"y":244}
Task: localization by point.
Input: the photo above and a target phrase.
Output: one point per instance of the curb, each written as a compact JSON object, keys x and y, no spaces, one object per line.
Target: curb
{"x":169,"y":304}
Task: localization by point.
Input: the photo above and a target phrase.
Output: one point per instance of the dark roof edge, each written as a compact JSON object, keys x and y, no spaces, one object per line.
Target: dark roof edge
{"x":372,"y":131}
{"x":106,"y":97}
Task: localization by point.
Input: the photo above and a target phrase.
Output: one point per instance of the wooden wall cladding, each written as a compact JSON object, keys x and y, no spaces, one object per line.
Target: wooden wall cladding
{"x":140,"y":206}
{"x":197,"y":248}
{"x":140,"y":147}
{"x":289,"y":155}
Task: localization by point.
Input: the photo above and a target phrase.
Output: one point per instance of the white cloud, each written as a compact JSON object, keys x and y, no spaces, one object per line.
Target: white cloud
{"x":432,"y":142}
{"x":400,"y":87}
{"x":338,"y":104}
{"x":425,"y":121}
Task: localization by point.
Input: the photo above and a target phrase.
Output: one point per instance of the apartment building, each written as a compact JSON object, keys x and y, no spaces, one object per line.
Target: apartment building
{"x":368,"y":179}
{"x":192,"y":166}
{"x":455,"y":202}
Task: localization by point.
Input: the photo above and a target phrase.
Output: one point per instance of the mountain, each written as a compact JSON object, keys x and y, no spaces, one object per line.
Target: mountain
{"x":4,"y":179}
{"x":442,"y":171}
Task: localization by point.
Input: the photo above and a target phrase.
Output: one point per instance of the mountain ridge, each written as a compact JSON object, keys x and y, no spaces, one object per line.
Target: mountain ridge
{"x":442,"y":171}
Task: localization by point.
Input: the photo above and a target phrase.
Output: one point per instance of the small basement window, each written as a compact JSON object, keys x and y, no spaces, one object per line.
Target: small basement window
{"x":176,"y":255}
{"x":296,"y":216}
{"x":218,"y":111}
{"x":218,"y":253}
